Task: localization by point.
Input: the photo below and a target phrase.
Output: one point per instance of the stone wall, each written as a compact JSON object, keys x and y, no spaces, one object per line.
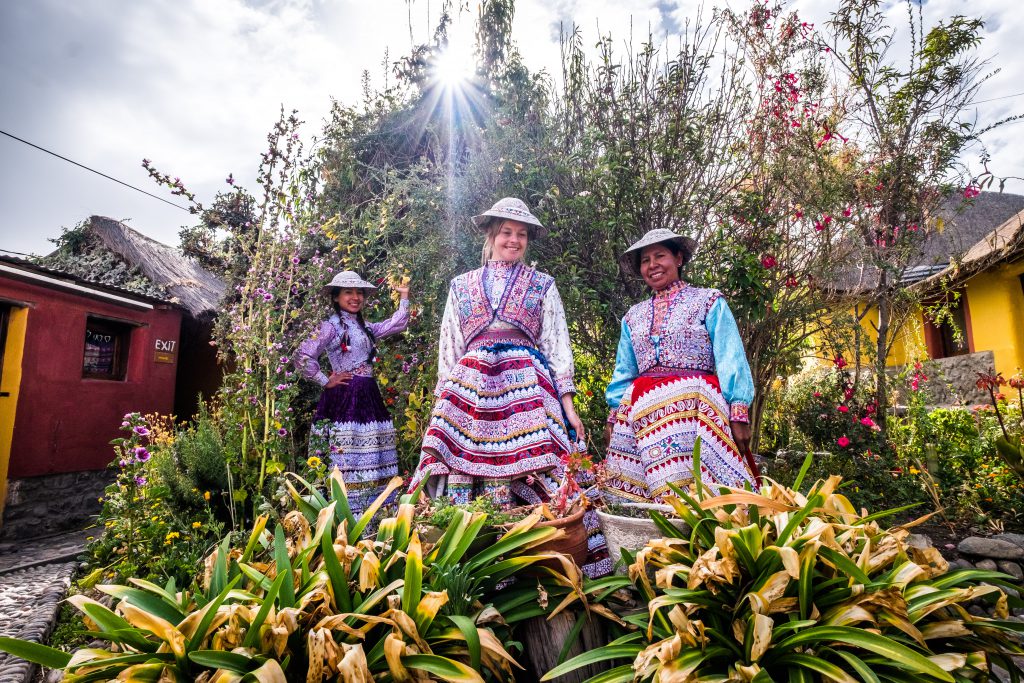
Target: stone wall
{"x":953,"y":380}
{"x":39,"y":506}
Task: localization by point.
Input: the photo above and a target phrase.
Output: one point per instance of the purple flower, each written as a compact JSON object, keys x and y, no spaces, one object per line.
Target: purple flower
{"x":405,"y":367}
{"x":282,"y":432}
{"x":295,"y":260}
{"x":281,"y":387}
{"x":141,"y":454}
{"x":140,"y":430}
{"x":140,"y":481}
{"x":122,"y":463}
{"x":268,"y":296}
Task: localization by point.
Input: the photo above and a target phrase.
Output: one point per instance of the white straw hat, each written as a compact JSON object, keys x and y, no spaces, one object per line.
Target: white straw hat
{"x":512,"y":209}
{"x":347,"y":278}
{"x":631,"y":257}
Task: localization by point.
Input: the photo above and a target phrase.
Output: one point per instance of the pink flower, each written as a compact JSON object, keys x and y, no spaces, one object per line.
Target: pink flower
{"x":768,"y":261}
{"x":843,"y":442}
{"x":867,"y":422}
{"x":817,"y":394}
{"x":847,"y":212}
{"x":970,"y":192}
{"x":843,"y":409}
{"x":839,"y":362}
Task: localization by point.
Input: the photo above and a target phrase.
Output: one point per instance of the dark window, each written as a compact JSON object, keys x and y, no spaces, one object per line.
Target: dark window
{"x":947,"y":336}
{"x":5,"y":318}
{"x":106,"y":349}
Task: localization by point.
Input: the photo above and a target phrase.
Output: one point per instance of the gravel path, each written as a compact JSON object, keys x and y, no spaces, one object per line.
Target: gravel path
{"x":29,"y":604}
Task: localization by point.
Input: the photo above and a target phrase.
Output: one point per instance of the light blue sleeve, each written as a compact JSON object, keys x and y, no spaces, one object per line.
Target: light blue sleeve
{"x":730,"y":360}
{"x":626,"y":369}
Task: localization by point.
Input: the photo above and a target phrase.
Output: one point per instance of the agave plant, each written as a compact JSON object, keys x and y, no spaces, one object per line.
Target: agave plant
{"x":785,"y":586}
{"x":314,"y":599}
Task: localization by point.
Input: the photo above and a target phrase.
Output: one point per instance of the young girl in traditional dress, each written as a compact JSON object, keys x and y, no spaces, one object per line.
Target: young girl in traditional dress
{"x":505,"y":374}
{"x":680,"y":372}
{"x":351,"y":420}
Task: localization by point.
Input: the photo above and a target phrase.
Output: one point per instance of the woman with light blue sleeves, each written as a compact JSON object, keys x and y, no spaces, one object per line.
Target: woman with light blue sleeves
{"x":680,"y":373}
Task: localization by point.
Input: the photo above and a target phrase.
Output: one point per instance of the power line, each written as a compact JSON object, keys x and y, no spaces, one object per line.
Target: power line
{"x":993,"y":99}
{"x":93,"y":170}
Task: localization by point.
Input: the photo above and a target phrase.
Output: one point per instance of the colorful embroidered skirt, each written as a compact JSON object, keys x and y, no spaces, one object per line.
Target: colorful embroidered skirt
{"x":497,"y":420}
{"x":353,"y":427}
{"x":653,"y":434}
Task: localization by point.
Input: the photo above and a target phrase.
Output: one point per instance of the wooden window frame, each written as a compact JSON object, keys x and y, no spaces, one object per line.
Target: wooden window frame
{"x":122,"y":334}
{"x":933,"y":334}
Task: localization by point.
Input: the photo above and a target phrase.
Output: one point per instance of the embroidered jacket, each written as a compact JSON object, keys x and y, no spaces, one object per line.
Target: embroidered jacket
{"x":684,"y":328}
{"x":346,"y":345}
{"x":508,"y":296}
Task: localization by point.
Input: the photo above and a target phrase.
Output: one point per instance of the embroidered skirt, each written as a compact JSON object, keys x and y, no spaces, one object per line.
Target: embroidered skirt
{"x":498,"y":419}
{"x":653,"y":434}
{"x":352,"y":426}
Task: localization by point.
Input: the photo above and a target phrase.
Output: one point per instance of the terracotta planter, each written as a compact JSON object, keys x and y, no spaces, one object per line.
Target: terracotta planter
{"x":633,"y":533}
{"x":574,"y":543}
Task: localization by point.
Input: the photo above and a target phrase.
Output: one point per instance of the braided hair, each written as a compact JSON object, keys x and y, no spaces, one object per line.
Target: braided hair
{"x":335,"y":291}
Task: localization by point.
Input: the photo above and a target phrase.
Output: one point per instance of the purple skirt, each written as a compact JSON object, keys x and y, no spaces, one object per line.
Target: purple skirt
{"x":353,"y":428}
{"x":358,"y":401}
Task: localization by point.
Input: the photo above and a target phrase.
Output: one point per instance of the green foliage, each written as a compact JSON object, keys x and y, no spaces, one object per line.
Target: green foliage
{"x":154,"y":525}
{"x":784,"y":585}
{"x":312,"y":597}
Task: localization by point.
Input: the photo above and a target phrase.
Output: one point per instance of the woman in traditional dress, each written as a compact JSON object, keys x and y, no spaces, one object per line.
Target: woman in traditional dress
{"x":680,"y":373}
{"x":351,"y":422}
{"x":505,"y":374}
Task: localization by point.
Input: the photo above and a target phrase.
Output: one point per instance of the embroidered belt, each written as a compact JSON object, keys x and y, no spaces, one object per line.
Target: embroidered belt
{"x":363,"y":370}
{"x":661,"y":371}
{"x":492,"y":337}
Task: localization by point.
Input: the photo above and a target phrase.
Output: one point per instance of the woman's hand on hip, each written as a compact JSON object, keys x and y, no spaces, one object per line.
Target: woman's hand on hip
{"x":741,"y":435}
{"x":338,"y":379}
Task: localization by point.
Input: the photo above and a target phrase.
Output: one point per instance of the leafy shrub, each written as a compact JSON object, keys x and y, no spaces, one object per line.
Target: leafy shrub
{"x":154,"y":525}
{"x":783,"y":585}
{"x":312,"y":598}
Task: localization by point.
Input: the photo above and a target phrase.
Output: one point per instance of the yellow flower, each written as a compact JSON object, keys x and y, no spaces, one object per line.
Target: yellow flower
{"x":914,"y":470}
{"x":154,"y":518}
{"x":206,"y":495}
{"x":314,"y":462}
{"x":196,"y":525}
{"x":171,"y":535}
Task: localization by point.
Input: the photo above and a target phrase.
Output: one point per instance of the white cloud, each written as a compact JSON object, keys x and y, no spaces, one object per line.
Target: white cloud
{"x":195,"y":86}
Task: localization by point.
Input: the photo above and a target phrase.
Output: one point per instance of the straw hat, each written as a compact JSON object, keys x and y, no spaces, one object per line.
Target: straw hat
{"x":631,"y":257}
{"x":347,"y":278}
{"x":512,"y":209}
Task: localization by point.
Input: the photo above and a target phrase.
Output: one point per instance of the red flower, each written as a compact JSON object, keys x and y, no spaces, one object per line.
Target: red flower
{"x":768,"y":261}
{"x":847,"y":212}
{"x":843,"y":442}
{"x":867,"y":422}
{"x":817,"y":394}
{"x":791,"y":281}
{"x":843,"y":409}
{"x":839,"y":362}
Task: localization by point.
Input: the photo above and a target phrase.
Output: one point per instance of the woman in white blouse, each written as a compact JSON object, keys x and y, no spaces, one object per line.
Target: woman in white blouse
{"x":504,"y":416}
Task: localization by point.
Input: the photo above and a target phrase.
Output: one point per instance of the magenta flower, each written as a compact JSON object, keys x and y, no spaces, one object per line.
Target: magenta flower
{"x":839,"y":362}
{"x":843,"y":409}
{"x":843,"y":442}
{"x":867,"y":422}
{"x":768,"y":261}
{"x":970,"y":192}
{"x":140,"y":430}
{"x":141,"y":454}
{"x":282,"y":432}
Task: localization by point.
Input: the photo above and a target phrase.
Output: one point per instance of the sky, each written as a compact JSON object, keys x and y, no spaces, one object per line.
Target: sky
{"x":195,"y":86}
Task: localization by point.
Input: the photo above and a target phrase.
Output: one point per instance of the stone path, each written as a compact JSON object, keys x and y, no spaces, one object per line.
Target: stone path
{"x":34,"y":578}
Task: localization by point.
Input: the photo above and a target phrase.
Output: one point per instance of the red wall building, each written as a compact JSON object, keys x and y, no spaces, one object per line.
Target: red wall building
{"x":76,"y":356}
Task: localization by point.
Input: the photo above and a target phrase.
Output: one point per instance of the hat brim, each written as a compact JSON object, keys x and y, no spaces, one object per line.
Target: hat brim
{"x":630,"y":259}
{"x":483,"y":222}
{"x":326,"y":289}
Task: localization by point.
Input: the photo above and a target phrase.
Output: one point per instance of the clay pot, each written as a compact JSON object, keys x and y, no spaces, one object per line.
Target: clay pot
{"x":633,"y":533}
{"x":574,"y":543}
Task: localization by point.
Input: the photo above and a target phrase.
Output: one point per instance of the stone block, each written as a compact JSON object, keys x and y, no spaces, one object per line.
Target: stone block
{"x":991,"y":547}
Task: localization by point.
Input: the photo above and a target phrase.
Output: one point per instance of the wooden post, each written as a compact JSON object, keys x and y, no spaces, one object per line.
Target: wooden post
{"x":543,"y":640}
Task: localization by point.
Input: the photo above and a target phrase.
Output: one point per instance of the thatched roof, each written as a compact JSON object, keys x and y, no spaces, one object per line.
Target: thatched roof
{"x":191,"y":286}
{"x":1003,"y":244}
{"x":68,"y":280}
{"x":965,"y":225}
